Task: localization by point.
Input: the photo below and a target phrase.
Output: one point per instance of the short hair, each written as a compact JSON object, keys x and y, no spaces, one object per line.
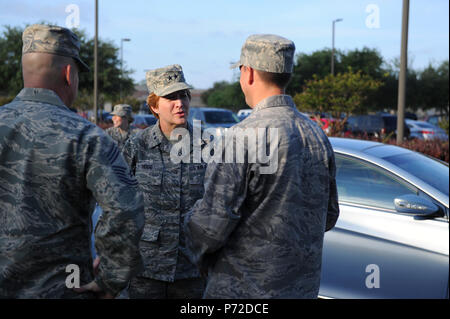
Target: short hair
{"x":153,"y":99}
{"x":281,"y":80}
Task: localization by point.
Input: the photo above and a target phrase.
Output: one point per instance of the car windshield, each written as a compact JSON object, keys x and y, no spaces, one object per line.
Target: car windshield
{"x":218,"y":117}
{"x":429,"y":170}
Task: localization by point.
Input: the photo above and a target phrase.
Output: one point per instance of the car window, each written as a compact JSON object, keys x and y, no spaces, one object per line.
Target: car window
{"x":362,"y":183}
{"x":427,"y":169}
{"x":219,"y":117}
{"x":424,"y":125}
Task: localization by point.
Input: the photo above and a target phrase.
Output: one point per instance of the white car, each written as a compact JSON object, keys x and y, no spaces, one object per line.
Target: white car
{"x":391,"y":239}
{"x":425,"y":131}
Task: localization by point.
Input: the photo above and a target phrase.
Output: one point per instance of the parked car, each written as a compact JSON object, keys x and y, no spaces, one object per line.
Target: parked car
{"x":434,"y":119}
{"x":242,"y":114}
{"x":213,"y":118}
{"x":392,"y":236}
{"x":378,"y":125}
{"x":425,"y":131}
{"x":102,"y":116}
{"x":143,"y":121}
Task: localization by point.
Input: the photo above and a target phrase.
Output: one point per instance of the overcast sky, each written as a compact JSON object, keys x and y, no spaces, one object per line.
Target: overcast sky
{"x":205,"y":36}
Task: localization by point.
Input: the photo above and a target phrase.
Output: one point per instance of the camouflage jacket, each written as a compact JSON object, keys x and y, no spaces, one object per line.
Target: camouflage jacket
{"x":261,"y":235}
{"x":169,"y":191}
{"x":54,"y":165}
{"x":120,"y":136}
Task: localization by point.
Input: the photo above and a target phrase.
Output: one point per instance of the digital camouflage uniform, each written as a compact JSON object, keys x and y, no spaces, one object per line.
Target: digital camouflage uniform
{"x":120,"y":136}
{"x":261,"y":235}
{"x":53,"y":166}
{"x":117,"y":134}
{"x":169,"y":189}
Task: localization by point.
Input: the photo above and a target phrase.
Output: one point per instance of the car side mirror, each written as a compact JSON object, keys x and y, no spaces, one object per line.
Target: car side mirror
{"x":418,"y":206}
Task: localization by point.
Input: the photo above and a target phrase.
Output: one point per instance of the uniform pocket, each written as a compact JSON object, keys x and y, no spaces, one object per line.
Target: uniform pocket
{"x":150,"y":233}
{"x":148,"y":173}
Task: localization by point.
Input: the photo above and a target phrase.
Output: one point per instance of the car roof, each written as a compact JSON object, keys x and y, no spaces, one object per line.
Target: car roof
{"x":364,"y":146}
{"x":211,"y":109}
{"x":375,"y":153}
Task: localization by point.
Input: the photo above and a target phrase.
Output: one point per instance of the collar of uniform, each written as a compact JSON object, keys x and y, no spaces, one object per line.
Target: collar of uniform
{"x":156,"y":137}
{"x":40,"y":95}
{"x":275,"y":100}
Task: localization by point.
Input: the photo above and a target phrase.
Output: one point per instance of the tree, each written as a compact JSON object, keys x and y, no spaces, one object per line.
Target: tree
{"x":344,"y":93}
{"x":109,"y":79}
{"x":368,"y":61}
{"x":225,"y":95}
{"x":434,"y":88}
{"x":307,"y":65}
{"x":109,"y":69}
{"x":11,"y":55}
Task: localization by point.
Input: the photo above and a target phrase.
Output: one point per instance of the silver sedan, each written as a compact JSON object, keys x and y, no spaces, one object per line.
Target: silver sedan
{"x":425,"y":131}
{"x":392,"y":236}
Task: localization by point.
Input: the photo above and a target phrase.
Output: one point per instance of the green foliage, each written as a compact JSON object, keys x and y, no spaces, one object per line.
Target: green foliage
{"x":225,"y":95}
{"x":368,"y":61}
{"x":444,"y":124}
{"x":109,"y":75}
{"x":344,"y":93}
{"x":307,"y":65}
{"x":6,"y":99}
{"x":109,"y":79}
{"x":433,"y":91}
{"x":11,"y":56}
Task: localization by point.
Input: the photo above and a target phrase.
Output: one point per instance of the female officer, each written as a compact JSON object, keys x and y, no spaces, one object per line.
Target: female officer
{"x":122,"y":119}
{"x":169,"y":188}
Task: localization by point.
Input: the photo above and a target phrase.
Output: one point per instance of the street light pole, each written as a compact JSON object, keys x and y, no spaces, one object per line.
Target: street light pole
{"x":402,"y":74}
{"x":96,"y":64}
{"x":332,"y":46}
{"x":121,"y":64}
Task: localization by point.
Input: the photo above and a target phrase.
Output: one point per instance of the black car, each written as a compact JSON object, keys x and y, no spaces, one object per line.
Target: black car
{"x":378,"y":125}
{"x":143,"y":121}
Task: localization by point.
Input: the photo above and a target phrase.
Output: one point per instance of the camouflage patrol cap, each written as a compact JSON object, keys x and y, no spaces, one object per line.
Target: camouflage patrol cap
{"x":123,"y":110}
{"x":166,"y":80}
{"x":267,"y":52}
{"x":54,"y":40}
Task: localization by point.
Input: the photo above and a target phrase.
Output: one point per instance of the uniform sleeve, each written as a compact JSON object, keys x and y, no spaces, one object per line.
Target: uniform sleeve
{"x":120,"y":227}
{"x":333,"y":205}
{"x":212,"y":219}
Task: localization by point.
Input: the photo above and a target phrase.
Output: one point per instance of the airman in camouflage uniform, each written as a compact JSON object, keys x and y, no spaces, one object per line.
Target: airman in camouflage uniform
{"x":170,"y":189}
{"x":54,"y":165}
{"x":122,"y":118}
{"x":261,"y":235}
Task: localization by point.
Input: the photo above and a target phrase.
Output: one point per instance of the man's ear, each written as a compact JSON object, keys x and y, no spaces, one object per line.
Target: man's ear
{"x":251,"y":75}
{"x":67,"y":74}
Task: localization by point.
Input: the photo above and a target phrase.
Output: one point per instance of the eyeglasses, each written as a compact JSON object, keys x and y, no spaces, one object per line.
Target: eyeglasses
{"x":179,"y":95}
